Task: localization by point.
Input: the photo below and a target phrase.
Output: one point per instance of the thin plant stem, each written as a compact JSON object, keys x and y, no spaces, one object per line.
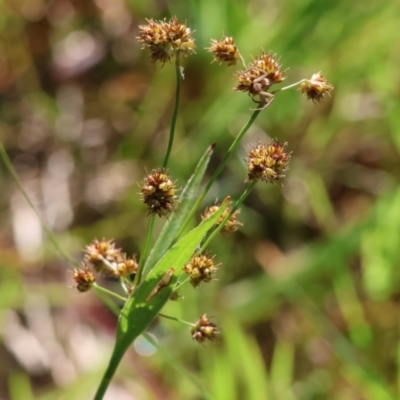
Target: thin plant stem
{"x":234,"y":208}
{"x":175,"y":113}
{"x":109,"y":292}
{"x":180,"y":284}
{"x":145,"y":252}
{"x":289,"y":86}
{"x":176,"y":319}
{"x":171,"y":361}
{"x":18,"y":183}
{"x":231,"y":149}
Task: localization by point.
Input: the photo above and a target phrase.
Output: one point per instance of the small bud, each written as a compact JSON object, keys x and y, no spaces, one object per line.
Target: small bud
{"x":316,"y":88}
{"x":267,"y":163}
{"x":159,"y":193}
{"x":231,"y":224}
{"x":201,"y":268}
{"x":166,"y":39}
{"x":224,"y":51}
{"x":84,"y":279}
{"x":204,"y":330}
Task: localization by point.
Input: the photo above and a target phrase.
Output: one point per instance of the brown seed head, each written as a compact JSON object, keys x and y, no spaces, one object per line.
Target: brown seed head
{"x":125,"y":266}
{"x":166,"y":39}
{"x":224,"y":51}
{"x":316,"y":88}
{"x":231,"y":224}
{"x":267,"y":163}
{"x":261,"y":74}
{"x":204,"y":330}
{"x":201,"y":268}
{"x":84,"y":278}
{"x":101,"y":251}
{"x":158,"y":193}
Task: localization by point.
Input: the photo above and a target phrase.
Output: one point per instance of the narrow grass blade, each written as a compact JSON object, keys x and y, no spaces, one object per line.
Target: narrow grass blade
{"x":186,"y":201}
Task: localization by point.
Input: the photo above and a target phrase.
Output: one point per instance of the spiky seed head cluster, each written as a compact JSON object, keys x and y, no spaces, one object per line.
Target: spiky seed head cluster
{"x":84,"y":278}
{"x":103,"y":257}
{"x":267,"y":163}
{"x":263,"y":72}
{"x":158,"y":193}
{"x":166,"y":39}
{"x":204,"y":330}
{"x":201,"y":268}
{"x":224,"y":51}
{"x":316,"y":87}
{"x":231,"y":224}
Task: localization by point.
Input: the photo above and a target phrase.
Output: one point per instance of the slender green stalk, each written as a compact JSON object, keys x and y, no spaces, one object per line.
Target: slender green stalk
{"x":176,"y":107}
{"x":177,"y":319}
{"x":109,"y":373}
{"x":18,"y":183}
{"x":109,"y":292}
{"x":180,"y":284}
{"x":289,"y":86}
{"x":232,"y":148}
{"x":171,"y":361}
{"x":145,"y":251}
{"x":234,"y":208}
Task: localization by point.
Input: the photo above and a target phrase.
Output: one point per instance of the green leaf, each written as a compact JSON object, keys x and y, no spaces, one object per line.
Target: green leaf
{"x":143,"y":306}
{"x":186,"y":202}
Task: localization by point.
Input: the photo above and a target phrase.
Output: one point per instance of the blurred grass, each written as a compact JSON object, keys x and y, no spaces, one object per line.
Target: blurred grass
{"x":307,"y":296}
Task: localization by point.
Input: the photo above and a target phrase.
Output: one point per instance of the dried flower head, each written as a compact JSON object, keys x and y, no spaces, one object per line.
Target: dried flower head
{"x":100,"y":252}
{"x":166,"y":39}
{"x":224,"y":51}
{"x":125,"y":266}
{"x":84,"y":278}
{"x":267,"y":163}
{"x":316,"y":88}
{"x":104,"y":257}
{"x":261,"y":74}
{"x":231,"y":224}
{"x":204,"y":330}
{"x":159,"y":193}
{"x":201,"y":268}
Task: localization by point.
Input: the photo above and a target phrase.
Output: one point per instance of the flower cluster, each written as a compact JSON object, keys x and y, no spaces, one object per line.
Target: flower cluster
{"x":261,"y":74}
{"x":166,"y":39}
{"x":84,"y":278}
{"x":224,"y":51}
{"x":316,"y":87}
{"x":158,"y":193}
{"x":201,"y":268}
{"x":103,"y":257}
{"x":204,"y":330}
{"x":231,"y":224}
{"x":267,"y":163}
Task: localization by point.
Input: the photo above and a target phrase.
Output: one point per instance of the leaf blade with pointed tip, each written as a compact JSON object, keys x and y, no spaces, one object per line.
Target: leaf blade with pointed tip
{"x":186,"y":201}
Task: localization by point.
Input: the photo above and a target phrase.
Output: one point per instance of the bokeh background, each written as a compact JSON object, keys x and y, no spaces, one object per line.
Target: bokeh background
{"x":308,"y":292}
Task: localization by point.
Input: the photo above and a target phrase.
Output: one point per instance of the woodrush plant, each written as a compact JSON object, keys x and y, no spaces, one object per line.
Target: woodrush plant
{"x":178,"y":256}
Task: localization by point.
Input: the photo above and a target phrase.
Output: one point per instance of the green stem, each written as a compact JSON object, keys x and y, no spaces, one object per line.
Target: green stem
{"x":145,"y":252}
{"x":180,"y":284}
{"x":233,"y":147}
{"x":109,"y":292}
{"x":109,"y":373}
{"x":234,"y":208}
{"x":18,"y":183}
{"x":289,"y":86}
{"x":176,"y":107}
{"x":171,"y":361}
{"x":176,"y":319}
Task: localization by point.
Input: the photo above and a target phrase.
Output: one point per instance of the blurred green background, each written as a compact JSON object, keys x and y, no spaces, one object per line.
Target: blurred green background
{"x":308,"y":293}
